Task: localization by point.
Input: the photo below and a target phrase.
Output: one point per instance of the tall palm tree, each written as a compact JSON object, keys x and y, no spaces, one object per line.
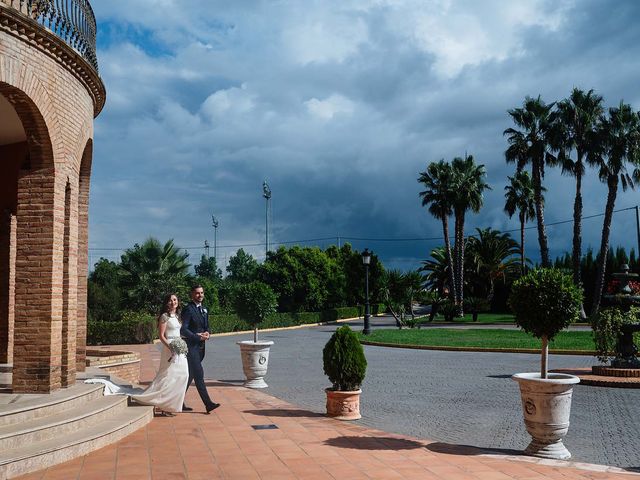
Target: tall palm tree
{"x":438,"y":195}
{"x":519,"y":197}
{"x":577,"y":120}
{"x":529,"y":144}
{"x":468,"y":188}
{"x":491,"y":256}
{"x":618,"y":151}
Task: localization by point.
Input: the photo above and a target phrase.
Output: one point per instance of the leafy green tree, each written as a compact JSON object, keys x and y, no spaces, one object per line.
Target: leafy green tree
{"x":576,"y":123}
{"x":617,"y":152}
{"x":301,"y":278}
{"x":468,"y":187}
{"x":491,"y":256}
{"x":438,"y":195}
{"x":254,"y":302}
{"x":519,"y":197}
{"x":529,"y":144}
{"x":437,"y":275}
{"x":151,"y":270}
{"x":208,"y":268}
{"x":242,"y":267}
{"x":104,"y":292}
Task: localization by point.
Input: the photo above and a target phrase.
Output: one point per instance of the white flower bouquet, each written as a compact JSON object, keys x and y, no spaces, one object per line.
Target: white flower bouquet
{"x":178,"y":347}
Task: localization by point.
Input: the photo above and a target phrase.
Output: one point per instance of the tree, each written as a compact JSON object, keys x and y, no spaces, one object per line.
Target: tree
{"x":438,"y":195}
{"x":491,"y":257}
{"x":208,"y":268}
{"x":242,"y":267}
{"x":104,"y":292}
{"x":468,"y":187}
{"x":519,"y":197}
{"x":395,"y":294}
{"x":617,"y":150}
{"x":530,"y":145}
{"x":574,"y":129}
{"x":150,"y":271}
{"x":437,"y":272}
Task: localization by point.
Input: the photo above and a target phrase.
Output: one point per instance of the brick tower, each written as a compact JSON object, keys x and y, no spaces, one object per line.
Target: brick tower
{"x":50,"y":92}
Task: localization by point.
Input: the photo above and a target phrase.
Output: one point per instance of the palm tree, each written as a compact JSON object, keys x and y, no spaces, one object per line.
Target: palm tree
{"x":529,"y":144}
{"x":491,"y":256}
{"x":468,"y":186}
{"x":576,"y":122}
{"x":151,"y":270}
{"x":519,"y":197}
{"x":437,"y":180}
{"x":438,"y":273}
{"x":618,"y":145}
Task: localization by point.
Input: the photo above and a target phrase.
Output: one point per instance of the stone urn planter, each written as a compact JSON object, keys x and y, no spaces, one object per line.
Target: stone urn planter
{"x":343,"y":405}
{"x":345,"y":365}
{"x":544,"y":302}
{"x":253,"y":303}
{"x":546,"y":405}
{"x":255,"y":361}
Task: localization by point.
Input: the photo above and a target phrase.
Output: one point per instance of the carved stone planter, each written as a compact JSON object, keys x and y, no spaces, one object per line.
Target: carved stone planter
{"x":343,"y":405}
{"x":255,"y":360}
{"x":546,"y":404}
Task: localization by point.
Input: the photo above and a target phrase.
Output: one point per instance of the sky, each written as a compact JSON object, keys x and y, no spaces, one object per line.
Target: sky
{"x":338,"y":105}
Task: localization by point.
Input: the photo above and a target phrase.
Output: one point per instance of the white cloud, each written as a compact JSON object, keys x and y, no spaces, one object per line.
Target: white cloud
{"x":333,"y":105}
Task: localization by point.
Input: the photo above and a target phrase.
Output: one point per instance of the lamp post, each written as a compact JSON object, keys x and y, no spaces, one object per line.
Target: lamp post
{"x":366,"y":260}
{"x":215,"y":224}
{"x":266,"y":193}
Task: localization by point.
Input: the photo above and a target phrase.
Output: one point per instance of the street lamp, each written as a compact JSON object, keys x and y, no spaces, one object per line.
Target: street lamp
{"x":266,"y":193}
{"x":215,"y":224}
{"x":366,"y":260}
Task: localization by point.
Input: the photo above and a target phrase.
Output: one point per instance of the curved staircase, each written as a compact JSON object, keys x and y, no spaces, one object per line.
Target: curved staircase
{"x":38,"y":431}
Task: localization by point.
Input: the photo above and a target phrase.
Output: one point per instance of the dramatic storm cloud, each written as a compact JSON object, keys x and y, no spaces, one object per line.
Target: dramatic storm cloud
{"x":338,"y":105}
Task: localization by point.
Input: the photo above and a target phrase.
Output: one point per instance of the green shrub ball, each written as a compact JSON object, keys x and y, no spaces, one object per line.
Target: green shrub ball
{"x":344,"y":360}
{"x":545,"y":301}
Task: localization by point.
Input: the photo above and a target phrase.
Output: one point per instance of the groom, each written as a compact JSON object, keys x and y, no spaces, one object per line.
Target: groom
{"x":195,"y":331}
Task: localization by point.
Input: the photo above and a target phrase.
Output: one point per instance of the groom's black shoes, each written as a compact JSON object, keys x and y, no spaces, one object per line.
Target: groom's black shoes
{"x":212,"y":407}
{"x":186,"y":409}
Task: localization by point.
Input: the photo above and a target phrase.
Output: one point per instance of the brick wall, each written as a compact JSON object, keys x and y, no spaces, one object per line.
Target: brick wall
{"x":124,"y":365}
{"x":56,"y":107}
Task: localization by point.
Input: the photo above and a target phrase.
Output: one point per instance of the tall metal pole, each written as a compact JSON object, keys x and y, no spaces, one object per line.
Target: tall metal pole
{"x":266,"y":193}
{"x":366,"y":260}
{"x":215,"y":224}
{"x":206,"y":248}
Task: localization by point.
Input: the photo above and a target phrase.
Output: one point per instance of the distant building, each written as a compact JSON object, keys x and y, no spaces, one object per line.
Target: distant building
{"x":50,"y":92}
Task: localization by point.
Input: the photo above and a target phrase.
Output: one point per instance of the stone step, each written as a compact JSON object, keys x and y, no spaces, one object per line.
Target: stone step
{"x":43,"y":454}
{"x":60,"y":424}
{"x":19,"y":408}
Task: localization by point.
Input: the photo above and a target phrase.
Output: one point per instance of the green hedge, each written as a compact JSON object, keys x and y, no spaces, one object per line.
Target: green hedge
{"x":135,"y":327}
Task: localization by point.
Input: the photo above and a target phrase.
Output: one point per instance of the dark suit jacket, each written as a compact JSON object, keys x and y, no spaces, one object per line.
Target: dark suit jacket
{"x":193,"y":322}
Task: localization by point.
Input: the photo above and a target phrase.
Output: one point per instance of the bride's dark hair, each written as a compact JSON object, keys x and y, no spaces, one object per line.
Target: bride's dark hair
{"x":165,"y":304}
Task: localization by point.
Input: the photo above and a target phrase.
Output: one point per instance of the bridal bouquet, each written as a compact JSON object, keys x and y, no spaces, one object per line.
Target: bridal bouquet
{"x":178,"y":347}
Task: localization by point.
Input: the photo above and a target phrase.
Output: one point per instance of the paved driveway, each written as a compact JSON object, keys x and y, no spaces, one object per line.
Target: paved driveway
{"x":453,"y":397}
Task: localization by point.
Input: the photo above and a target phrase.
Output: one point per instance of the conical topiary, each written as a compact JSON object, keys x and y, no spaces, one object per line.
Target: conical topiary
{"x":344,"y":360}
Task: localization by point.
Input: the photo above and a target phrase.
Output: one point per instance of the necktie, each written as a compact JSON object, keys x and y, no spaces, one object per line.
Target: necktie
{"x":201,"y":310}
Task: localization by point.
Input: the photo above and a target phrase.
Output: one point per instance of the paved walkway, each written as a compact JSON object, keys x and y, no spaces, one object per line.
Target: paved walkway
{"x":305,"y":445}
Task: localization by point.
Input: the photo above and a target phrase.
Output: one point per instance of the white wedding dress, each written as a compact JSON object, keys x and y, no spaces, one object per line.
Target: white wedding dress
{"x":168,"y":388}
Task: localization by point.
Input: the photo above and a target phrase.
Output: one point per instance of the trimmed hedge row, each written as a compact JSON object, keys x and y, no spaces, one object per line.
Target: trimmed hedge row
{"x":141,"y":328}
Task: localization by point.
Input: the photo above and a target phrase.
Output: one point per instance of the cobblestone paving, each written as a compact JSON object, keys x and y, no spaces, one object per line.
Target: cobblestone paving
{"x":452,"y":397}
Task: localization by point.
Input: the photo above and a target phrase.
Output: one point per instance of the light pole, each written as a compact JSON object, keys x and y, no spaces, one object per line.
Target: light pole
{"x":215,"y":224}
{"x":366,"y":260}
{"x":266,"y":193}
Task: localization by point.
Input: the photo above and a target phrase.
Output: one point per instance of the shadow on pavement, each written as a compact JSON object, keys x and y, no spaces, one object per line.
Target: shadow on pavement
{"x":467,"y":450}
{"x":222,"y":383}
{"x":373,"y":443}
{"x":282,"y":412}
{"x":499,"y":376}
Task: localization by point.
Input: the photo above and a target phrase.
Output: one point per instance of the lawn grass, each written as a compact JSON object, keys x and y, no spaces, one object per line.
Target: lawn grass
{"x":482,"y":318}
{"x":483,"y":338}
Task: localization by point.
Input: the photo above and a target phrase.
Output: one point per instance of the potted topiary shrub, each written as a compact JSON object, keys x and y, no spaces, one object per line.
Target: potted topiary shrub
{"x":345,"y":365}
{"x":253,"y":303}
{"x":545,"y":301}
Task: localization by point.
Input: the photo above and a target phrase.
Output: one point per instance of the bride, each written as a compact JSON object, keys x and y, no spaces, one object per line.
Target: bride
{"x":168,"y":388}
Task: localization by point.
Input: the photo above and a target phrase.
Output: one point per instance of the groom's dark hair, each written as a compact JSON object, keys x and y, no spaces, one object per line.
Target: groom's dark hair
{"x":196,"y":285}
